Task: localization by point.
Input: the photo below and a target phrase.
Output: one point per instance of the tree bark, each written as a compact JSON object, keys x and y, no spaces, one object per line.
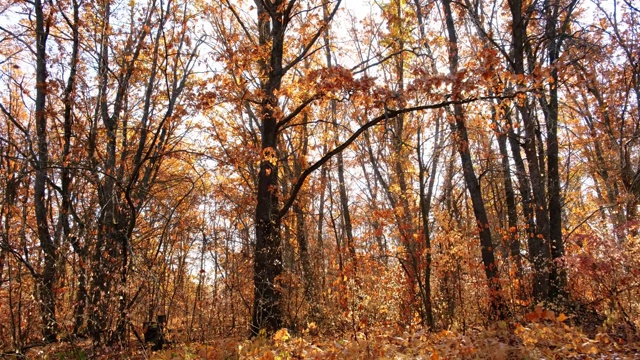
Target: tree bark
{"x":268,"y":266}
{"x":66,"y":175}
{"x":557,"y":276}
{"x":47,"y":279}
{"x":539,"y":241}
{"x":497,"y":306}
{"x":512,"y":211}
{"x":344,"y":204}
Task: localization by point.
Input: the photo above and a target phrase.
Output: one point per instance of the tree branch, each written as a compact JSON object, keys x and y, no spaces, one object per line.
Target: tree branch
{"x":297,"y":111}
{"x":388,"y":114}
{"x":313,"y":40}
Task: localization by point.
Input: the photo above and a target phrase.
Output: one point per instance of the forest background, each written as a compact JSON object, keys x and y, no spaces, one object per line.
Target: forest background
{"x":411,"y":169}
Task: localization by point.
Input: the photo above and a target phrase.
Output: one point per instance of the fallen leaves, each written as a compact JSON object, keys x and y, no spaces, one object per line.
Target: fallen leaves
{"x":538,"y":340}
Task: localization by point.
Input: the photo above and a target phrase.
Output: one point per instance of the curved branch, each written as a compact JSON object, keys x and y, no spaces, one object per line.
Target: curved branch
{"x":388,"y":114}
{"x":297,"y":110}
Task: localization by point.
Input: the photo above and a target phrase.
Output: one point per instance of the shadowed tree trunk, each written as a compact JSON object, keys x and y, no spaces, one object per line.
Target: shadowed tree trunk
{"x":523,"y":183}
{"x":539,"y":243}
{"x":510,"y":198}
{"x":47,"y":279}
{"x":268,"y":253}
{"x":557,"y":276}
{"x":497,"y":306}
{"x":67,"y":210}
{"x":513,"y":242}
{"x":125,"y":167}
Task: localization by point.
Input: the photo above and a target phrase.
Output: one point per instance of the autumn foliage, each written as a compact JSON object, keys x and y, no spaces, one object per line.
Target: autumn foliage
{"x":277,"y":179}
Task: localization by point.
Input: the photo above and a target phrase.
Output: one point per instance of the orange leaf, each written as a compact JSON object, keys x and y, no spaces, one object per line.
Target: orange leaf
{"x":562,"y":317}
{"x":532,"y":317}
{"x":548,"y":315}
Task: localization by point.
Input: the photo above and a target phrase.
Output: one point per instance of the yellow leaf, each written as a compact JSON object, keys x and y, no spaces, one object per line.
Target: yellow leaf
{"x":281,"y":335}
{"x":562,"y":317}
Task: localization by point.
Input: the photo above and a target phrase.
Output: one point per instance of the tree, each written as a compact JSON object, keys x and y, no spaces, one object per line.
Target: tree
{"x":273,"y":20}
{"x":127,"y":171}
{"x":497,"y":307}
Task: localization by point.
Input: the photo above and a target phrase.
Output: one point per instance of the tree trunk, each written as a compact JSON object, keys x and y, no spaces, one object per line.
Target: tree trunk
{"x":308,"y":273}
{"x":426,"y":194}
{"x":66,"y":178}
{"x":320,"y":226}
{"x":512,"y":212}
{"x":539,"y":240}
{"x":344,"y":205}
{"x":268,"y":266}
{"x":406,"y":227}
{"x":497,"y":306}
{"x":81,"y":293}
{"x":47,"y":279}
{"x":268,"y":254}
{"x":557,"y":276}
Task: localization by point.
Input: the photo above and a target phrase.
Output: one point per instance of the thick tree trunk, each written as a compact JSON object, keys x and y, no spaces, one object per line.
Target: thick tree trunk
{"x":557,"y":276}
{"x":268,"y":253}
{"x":268,"y":266}
{"x":539,"y":246}
{"x":106,"y":253}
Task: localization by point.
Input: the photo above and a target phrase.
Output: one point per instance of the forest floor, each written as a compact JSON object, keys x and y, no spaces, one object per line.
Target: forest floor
{"x":539,"y":340}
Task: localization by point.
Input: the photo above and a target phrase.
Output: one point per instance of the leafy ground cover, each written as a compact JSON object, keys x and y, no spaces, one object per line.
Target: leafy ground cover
{"x":550,"y":339}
